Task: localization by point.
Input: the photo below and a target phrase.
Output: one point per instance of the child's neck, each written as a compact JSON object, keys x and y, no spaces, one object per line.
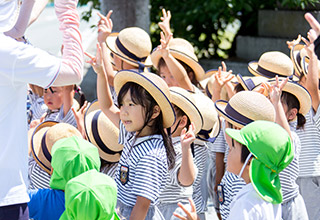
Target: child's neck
{"x":177,"y":132}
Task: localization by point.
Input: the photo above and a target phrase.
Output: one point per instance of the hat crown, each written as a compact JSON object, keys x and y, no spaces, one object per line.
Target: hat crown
{"x":276,"y":62}
{"x":253,"y":105}
{"x":269,"y":143}
{"x":183,"y":46}
{"x":136,"y":40}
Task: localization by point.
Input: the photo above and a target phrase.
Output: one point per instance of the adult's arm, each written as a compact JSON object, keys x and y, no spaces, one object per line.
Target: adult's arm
{"x":71,"y":69}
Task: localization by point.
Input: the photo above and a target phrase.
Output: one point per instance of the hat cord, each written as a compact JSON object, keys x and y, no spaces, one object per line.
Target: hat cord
{"x":244,"y":165}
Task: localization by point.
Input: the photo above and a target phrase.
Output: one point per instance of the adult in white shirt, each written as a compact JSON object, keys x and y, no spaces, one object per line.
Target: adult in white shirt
{"x":21,"y":64}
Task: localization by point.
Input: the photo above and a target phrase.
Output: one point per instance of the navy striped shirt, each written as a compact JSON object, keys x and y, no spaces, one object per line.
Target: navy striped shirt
{"x":310,"y":145}
{"x":146,"y":160}
{"x":232,"y":184}
{"x":200,"y":160}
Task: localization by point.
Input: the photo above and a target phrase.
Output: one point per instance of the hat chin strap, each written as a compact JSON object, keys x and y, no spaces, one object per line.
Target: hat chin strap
{"x":244,"y":165}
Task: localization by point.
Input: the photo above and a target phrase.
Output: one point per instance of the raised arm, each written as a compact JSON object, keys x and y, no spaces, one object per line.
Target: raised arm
{"x":71,"y":69}
{"x":104,"y":30}
{"x":22,"y":23}
{"x":103,"y":91}
{"x":312,"y":79}
{"x":187,"y":171}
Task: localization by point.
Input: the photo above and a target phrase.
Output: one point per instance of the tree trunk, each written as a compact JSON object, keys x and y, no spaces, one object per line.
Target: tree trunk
{"x":127,"y":13}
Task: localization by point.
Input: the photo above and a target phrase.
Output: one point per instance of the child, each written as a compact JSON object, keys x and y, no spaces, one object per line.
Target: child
{"x":175,"y":59}
{"x":42,"y":138}
{"x":145,"y":111}
{"x":92,"y":196}
{"x":243,"y":108}
{"x":70,"y":157}
{"x":262,"y":149}
{"x":181,"y":177}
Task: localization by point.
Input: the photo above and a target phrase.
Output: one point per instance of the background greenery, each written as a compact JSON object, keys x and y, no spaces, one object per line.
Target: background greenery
{"x":211,"y":25}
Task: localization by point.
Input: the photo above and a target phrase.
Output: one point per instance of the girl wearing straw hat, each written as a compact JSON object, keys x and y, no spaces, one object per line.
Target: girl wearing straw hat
{"x":175,"y":59}
{"x":145,"y":111}
{"x":260,"y":151}
{"x":182,"y":176}
{"x":23,"y":64}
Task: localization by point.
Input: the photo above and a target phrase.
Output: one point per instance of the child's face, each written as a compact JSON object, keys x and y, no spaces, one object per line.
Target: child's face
{"x":53,"y":99}
{"x":167,"y":76}
{"x":234,"y":163}
{"x":131,"y":114}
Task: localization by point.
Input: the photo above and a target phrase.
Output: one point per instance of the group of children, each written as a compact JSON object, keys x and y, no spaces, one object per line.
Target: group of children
{"x":168,"y":134}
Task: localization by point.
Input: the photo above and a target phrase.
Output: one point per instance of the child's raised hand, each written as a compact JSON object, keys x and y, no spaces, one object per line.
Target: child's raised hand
{"x":309,"y":47}
{"x":165,"y":22}
{"x":314,"y":24}
{"x":294,"y":42}
{"x":96,"y":62}
{"x":222,"y":76}
{"x":276,"y":90}
{"x":105,"y":26}
{"x":79,"y":116}
{"x":191,"y":215}
{"x":164,"y":46}
{"x":187,"y":137}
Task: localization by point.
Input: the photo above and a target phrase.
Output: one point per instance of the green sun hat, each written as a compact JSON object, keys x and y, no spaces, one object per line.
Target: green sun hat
{"x":271,"y":146}
{"x":71,"y":157}
{"x":90,"y":196}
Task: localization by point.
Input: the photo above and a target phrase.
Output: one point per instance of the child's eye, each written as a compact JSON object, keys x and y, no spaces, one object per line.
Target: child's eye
{"x":163,"y":77}
{"x":120,"y":104}
{"x":131,"y":104}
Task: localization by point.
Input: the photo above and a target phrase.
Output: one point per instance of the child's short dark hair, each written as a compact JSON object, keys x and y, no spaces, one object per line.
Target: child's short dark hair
{"x":244,"y":153}
{"x":142,"y":97}
{"x":292,"y":102}
{"x":238,"y":88}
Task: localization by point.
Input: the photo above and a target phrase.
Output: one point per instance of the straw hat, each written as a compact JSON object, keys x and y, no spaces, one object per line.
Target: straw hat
{"x":211,"y":122}
{"x":109,"y":53}
{"x":299,"y":92}
{"x":250,"y":82}
{"x":132,"y":45}
{"x":156,"y":86}
{"x":185,"y":101}
{"x":182,"y":50}
{"x":245,"y":107}
{"x":43,"y":138}
{"x":208,"y":74}
{"x":9,"y":12}
{"x":102,"y":133}
{"x":296,"y":54}
{"x":271,"y":64}
{"x":271,"y":147}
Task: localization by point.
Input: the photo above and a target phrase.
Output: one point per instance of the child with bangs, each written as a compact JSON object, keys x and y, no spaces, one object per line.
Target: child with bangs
{"x":143,"y":115}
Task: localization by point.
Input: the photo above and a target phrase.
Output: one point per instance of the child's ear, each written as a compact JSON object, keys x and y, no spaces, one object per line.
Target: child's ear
{"x":292,"y":113}
{"x":156,"y":112}
{"x":183,"y":121}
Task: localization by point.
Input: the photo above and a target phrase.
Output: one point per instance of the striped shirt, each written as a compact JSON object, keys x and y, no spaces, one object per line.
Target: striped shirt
{"x":220,"y":145}
{"x":232,"y":184}
{"x":289,"y":175}
{"x":110,"y":170}
{"x":310,"y":145}
{"x":145,"y":160}
{"x":174,"y":192}
{"x":58,"y":116}
{"x":38,"y":178}
{"x":200,"y":160}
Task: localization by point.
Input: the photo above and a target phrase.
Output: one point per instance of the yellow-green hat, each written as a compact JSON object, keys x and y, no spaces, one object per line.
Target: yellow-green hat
{"x":271,"y":147}
{"x":90,"y":196}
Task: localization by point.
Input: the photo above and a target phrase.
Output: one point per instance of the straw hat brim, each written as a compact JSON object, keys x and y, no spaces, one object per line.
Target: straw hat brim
{"x":111,"y":43}
{"x":208,"y":76}
{"x":35,"y":145}
{"x":249,"y":83}
{"x":149,"y":82}
{"x":294,"y":52}
{"x":300,"y":93}
{"x":253,"y":66}
{"x":181,"y":100}
{"x":99,"y":129}
{"x":191,"y":62}
{"x":221,"y":106}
